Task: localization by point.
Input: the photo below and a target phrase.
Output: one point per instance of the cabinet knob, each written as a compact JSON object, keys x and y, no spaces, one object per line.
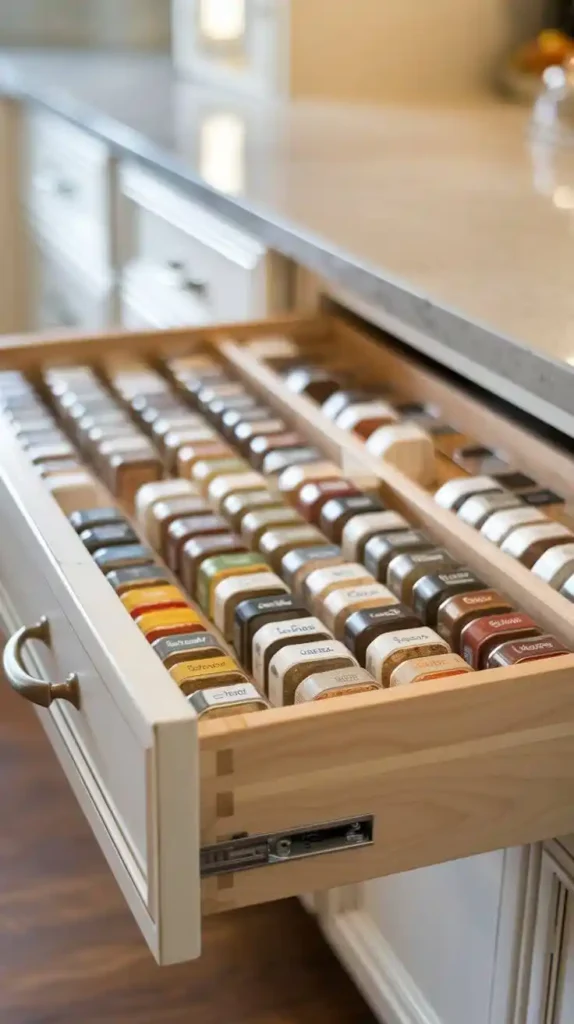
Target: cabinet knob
{"x":183,"y":282}
{"x":65,"y":189}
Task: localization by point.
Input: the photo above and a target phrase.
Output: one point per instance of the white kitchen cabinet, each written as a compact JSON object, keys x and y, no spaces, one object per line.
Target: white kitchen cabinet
{"x":68,"y":189}
{"x":183,"y":265}
{"x":564,"y":1000}
{"x":67,"y":198}
{"x":60,"y":294}
{"x":441,"y":945}
{"x":551,"y":981}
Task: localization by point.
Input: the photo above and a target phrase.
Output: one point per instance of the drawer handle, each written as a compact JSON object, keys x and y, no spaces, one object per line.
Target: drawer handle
{"x":65,"y":189}
{"x":38,"y":691}
{"x":184,"y":283}
{"x":55,"y":186}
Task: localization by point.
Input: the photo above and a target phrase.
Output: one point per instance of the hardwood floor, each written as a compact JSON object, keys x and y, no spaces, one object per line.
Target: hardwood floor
{"x":71,"y":954}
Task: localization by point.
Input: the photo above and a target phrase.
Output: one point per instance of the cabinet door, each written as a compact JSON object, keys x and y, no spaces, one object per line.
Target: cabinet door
{"x":552,"y":978}
{"x":565,"y":989}
{"x":439,"y":945}
{"x":67,"y":188}
{"x":240,"y":44}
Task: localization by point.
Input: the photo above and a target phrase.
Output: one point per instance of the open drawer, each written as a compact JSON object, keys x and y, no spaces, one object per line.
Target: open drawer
{"x":429,"y":773}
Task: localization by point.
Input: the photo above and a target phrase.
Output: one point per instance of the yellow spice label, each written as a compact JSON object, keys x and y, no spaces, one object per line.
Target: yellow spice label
{"x":167,"y":617}
{"x":205,"y":667}
{"x":152,"y":596}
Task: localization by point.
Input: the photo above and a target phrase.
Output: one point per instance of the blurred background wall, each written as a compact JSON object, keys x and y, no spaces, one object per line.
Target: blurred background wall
{"x":111,"y":23}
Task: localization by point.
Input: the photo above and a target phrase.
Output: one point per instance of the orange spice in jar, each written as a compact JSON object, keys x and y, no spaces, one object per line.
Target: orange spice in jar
{"x":340,"y":682}
{"x":419,"y":670}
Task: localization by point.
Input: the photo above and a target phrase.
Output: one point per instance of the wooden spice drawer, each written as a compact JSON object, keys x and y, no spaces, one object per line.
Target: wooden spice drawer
{"x":445,"y":769}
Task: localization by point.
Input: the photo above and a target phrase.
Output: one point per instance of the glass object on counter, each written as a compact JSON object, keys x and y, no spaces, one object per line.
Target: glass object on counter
{"x":553,"y":112}
{"x":524,"y":72}
{"x":551,"y":139}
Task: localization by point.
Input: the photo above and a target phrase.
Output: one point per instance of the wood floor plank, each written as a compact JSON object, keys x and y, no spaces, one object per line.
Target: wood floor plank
{"x":70,"y":952}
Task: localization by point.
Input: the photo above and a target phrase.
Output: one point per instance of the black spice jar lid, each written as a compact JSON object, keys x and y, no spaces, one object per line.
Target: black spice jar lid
{"x":430,"y":591}
{"x":383,"y":547}
{"x":337,"y":511}
{"x":91,"y":518}
{"x":297,"y":558}
{"x":362,"y":627}
{"x":256,"y":612}
{"x":108,"y":535}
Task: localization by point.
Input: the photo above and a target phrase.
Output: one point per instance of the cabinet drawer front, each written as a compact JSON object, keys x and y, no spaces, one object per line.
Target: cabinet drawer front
{"x":130,"y":745}
{"x":185,"y":264}
{"x":150,"y":299}
{"x":67,"y":187}
{"x":439,"y":770}
{"x":61,"y":295}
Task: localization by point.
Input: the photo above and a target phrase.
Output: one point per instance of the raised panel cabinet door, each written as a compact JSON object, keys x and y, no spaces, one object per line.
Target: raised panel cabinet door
{"x":440,"y":944}
{"x":551,"y":976}
{"x":564,"y":1011}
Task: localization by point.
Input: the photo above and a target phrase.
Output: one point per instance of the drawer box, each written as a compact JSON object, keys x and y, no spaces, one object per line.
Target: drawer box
{"x":442,"y":770}
{"x":183,"y":265}
{"x":67,"y":187}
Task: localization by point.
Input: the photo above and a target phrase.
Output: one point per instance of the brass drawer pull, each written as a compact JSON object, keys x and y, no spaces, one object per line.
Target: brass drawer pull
{"x":38,"y":691}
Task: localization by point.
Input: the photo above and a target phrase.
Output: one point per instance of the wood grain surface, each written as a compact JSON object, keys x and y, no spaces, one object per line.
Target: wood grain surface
{"x":70,"y":952}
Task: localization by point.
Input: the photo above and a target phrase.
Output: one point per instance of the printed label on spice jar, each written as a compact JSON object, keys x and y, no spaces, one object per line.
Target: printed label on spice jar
{"x":278,"y":631}
{"x":389,"y":649}
{"x":339,"y":682}
{"x":515,"y":652}
{"x":239,"y":692}
{"x":292,"y":664}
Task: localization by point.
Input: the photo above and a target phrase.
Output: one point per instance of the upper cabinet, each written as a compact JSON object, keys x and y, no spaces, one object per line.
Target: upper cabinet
{"x":366,"y":50}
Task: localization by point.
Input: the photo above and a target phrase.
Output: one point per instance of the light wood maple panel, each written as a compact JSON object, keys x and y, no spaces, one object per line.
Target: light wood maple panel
{"x":448,"y":770}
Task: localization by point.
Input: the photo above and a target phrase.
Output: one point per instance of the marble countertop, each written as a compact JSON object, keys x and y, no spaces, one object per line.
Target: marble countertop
{"x":447,"y":222}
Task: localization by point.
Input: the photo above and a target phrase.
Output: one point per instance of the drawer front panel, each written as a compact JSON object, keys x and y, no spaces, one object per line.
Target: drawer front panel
{"x":111,"y":753}
{"x":449,"y":770}
{"x":129,"y":743}
{"x":67,"y":187}
{"x":186,"y":264}
{"x":61,"y":295}
{"x":149,"y":298}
